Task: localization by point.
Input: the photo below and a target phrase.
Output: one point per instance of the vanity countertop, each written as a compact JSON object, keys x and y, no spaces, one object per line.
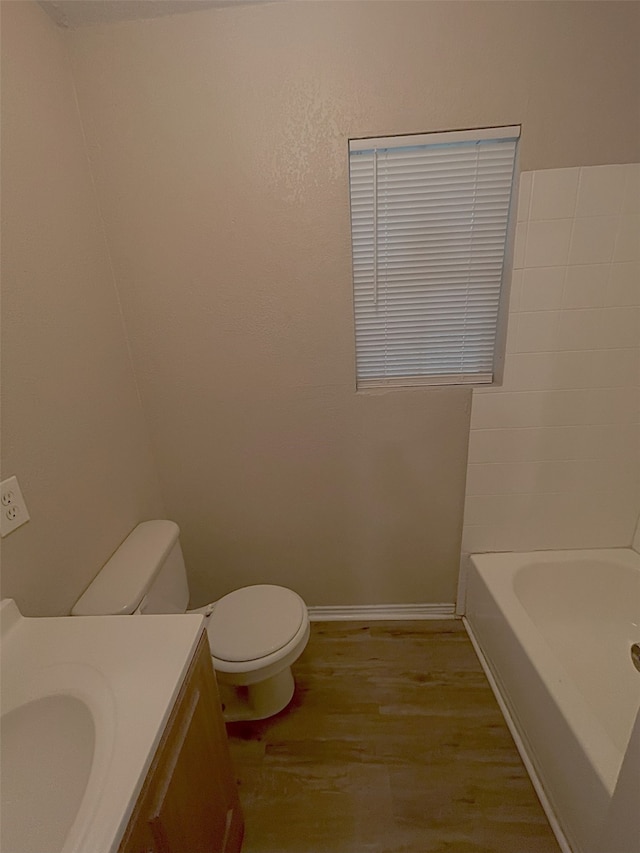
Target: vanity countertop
{"x":127,"y":670}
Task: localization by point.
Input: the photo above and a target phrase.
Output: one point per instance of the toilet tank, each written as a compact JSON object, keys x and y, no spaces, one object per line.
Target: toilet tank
{"x":146,"y":574}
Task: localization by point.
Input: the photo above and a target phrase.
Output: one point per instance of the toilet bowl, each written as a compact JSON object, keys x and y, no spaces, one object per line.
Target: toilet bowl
{"x":255,"y":633}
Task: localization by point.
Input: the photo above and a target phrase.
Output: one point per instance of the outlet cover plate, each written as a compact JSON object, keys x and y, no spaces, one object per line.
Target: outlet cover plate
{"x":13,"y":509}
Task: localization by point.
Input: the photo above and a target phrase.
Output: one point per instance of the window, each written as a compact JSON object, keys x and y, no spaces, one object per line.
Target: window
{"x":429,"y":218}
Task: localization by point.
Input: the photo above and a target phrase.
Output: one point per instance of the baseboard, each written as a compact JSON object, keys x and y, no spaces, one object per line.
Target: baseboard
{"x":374,"y":612}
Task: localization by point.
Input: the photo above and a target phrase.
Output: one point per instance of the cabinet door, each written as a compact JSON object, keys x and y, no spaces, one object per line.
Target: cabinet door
{"x":140,"y":839}
{"x":190,"y":808}
{"x":190,"y":800}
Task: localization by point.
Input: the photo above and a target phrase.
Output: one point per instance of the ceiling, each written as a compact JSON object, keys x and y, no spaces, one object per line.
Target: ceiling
{"x":79,"y":13}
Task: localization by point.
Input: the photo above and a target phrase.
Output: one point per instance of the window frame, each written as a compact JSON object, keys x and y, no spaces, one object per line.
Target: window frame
{"x":484,"y":380}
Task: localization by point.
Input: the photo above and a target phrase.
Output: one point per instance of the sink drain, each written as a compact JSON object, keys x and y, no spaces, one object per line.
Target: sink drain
{"x":635,"y":655}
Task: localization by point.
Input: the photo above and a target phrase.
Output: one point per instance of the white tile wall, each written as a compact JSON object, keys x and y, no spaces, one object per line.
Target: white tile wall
{"x":554,"y":453}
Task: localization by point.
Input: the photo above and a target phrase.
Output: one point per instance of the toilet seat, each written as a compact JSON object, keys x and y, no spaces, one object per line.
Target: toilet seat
{"x":254,"y":623}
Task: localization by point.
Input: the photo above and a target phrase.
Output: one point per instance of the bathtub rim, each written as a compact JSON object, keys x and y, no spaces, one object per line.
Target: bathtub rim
{"x":601,"y":752}
{"x":490,"y":596}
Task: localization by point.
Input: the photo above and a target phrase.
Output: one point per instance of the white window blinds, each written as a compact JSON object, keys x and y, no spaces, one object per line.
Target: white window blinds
{"x":429,"y":221}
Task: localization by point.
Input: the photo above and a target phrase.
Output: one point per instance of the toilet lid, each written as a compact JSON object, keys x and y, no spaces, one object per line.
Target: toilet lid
{"x":253,"y":622}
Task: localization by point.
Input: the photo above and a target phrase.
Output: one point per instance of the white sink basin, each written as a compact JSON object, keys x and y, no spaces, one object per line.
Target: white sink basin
{"x":84,"y":702}
{"x":45,"y":760}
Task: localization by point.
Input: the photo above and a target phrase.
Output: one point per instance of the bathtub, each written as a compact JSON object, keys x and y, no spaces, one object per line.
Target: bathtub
{"x":553,"y":630}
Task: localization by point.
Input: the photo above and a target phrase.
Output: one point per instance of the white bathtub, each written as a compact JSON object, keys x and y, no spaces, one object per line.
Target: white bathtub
{"x":555,"y":630}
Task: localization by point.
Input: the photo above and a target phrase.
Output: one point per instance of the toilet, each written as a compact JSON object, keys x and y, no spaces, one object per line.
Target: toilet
{"x":255,"y":633}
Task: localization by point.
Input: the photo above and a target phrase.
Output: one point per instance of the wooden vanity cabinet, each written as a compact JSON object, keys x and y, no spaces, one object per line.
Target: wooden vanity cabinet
{"x":189,"y":802}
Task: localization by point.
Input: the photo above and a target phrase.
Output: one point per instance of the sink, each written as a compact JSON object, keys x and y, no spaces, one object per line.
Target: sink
{"x":46,"y":755}
{"x":83,"y":705}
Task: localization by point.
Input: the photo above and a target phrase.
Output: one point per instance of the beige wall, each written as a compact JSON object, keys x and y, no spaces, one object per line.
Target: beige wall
{"x":219,"y":147}
{"x":72,"y":427}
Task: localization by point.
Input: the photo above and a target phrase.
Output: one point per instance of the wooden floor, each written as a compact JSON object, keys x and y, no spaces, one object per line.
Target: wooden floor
{"x":393,"y":743}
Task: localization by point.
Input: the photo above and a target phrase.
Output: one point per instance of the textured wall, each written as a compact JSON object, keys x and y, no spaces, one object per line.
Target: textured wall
{"x":219,"y":147}
{"x":72,"y":426}
{"x":554,"y":454}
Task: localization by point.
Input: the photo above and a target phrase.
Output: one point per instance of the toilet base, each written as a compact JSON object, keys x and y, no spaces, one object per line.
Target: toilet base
{"x":256,"y":701}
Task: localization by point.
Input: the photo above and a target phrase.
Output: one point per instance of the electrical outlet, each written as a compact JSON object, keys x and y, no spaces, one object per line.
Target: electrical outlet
{"x":13,"y":509}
